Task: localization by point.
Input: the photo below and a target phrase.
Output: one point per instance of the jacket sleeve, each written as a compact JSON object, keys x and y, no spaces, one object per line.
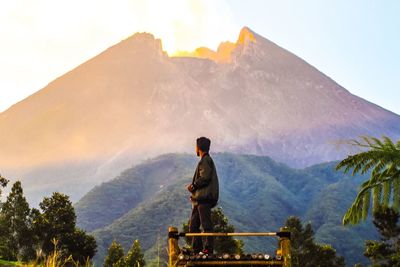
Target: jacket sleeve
{"x":204,"y":177}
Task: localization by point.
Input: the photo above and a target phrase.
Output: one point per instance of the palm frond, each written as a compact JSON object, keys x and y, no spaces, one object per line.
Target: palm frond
{"x":366,"y":203}
{"x":396,"y":194}
{"x":376,"y":197}
{"x":386,"y":193}
{"x":380,"y":158}
{"x":354,"y":213}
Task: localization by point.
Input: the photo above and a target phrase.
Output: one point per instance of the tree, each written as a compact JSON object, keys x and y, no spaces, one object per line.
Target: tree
{"x":385,"y":252}
{"x":225,"y":244}
{"x":135,"y":257}
{"x":3,"y":228}
{"x":305,"y":252}
{"x":115,"y":255}
{"x":17,"y":226}
{"x":81,"y":246}
{"x":3,"y":183}
{"x":58,"y":221}
{"x":382,"y":160}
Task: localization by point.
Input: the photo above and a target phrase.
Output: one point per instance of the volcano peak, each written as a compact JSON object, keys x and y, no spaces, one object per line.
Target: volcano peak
{"x":246,"y":35}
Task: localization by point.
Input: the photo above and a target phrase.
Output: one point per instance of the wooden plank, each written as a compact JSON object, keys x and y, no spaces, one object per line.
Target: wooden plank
{"x":231,"y":234}
{"x":230,"y":263}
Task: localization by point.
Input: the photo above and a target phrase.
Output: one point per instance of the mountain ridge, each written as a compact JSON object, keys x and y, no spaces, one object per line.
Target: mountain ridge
{"x":256,"y":194}
{"x":133,"y":102}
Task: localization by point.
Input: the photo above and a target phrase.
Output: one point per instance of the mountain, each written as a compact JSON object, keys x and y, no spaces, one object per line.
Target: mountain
{"x":257,"y":194}
{"x":133,"y":102}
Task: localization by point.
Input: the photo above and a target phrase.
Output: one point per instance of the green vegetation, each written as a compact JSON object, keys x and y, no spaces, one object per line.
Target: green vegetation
{"x":307,"y":253}
{"x":3,"y":183}
{"x":115,"y":256}
{"x":58,"y":220}
{"x":226,"y":244}
{"x":16,"y":226}
{"x":41,"y":236}
{"x":257,"y":194}
{"x":10,"y":263}
{"x":386,"y":251}
{"x":382,"y":158}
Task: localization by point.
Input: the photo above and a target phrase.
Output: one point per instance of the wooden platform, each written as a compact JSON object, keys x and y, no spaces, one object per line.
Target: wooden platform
{"x":233,"y":263}
{"x":179,"y":258}
{"x":255,"y":259}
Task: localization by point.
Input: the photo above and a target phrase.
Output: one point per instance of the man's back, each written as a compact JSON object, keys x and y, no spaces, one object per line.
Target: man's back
{"x":205,"y":181}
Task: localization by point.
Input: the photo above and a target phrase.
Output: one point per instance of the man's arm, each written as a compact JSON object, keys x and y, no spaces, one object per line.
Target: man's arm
{"x":205,"y":172}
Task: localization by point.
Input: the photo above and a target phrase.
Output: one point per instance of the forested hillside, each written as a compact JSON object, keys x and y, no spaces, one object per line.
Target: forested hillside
{"x":257,"y":194}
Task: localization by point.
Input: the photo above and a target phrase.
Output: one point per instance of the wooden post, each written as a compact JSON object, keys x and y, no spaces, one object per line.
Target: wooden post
{"x":173,"y":251}
{"x":284,"y":246}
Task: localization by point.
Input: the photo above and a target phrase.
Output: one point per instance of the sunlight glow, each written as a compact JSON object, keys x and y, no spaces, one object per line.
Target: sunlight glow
{"x":44,"y":39}
{"x":187,"y":25}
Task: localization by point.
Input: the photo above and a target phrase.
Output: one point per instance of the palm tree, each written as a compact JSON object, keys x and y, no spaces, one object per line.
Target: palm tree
{"x":381,"y":160}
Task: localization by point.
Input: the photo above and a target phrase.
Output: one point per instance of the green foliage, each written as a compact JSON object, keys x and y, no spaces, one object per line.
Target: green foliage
{"x":385,"y":252}
{"x":135,"y":257}
{"x":224,"y":244}
{"x":3,"y":228}
{"x":10,"y":263}
{"x":58,"y":221}
{"x":257,"y":194}
{"x":382,"y":160}
{"x":307,"y":253}
{"x":25,"y":231}
{"x":115,"y":255}
{"x":131,"y":188}
{"x":16,"y":225}
{"x":3,"y":183}
{"x":81,"y":246}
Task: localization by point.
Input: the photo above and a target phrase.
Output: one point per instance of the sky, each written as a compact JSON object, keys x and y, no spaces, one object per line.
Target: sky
{"x":356,"y":43}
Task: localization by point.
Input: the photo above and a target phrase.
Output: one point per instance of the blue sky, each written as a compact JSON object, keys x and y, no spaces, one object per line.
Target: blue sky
{"x":356,"y":43}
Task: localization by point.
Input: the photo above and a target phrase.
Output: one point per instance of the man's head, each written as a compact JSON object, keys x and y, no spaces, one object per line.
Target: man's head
{"x":203,"y":145}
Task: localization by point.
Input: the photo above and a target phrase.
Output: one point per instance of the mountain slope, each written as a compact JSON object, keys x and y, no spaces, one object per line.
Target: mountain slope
{"x":257,"y":194}
{"x":133,"y":101}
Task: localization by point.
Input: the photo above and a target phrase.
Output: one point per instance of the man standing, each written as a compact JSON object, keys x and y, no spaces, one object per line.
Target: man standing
{"x":205,"y":193}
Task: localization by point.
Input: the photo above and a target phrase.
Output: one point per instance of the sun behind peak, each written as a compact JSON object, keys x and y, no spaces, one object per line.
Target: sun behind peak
{"x":224,"y":52}
{"x":246,"y":34}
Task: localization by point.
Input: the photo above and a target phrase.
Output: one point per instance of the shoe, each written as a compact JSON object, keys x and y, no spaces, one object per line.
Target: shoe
{"x":205,"y":252}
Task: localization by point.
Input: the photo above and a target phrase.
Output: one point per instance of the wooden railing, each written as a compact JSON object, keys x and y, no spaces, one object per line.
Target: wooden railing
{"x":282,"y":257}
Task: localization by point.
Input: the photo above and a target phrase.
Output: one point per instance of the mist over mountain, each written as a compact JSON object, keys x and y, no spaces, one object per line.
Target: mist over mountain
{"x":256,"y":194}
{"x":134,"y":102}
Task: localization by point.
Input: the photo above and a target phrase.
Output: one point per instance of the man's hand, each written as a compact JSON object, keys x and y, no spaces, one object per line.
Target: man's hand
{"x":190,"y":188}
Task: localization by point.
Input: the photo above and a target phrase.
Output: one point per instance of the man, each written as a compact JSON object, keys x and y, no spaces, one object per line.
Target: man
{"x":205,"y":193}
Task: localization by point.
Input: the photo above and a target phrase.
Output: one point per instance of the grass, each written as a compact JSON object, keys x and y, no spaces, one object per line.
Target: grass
{"x":53,"y":260}
{"x":10,"y":263}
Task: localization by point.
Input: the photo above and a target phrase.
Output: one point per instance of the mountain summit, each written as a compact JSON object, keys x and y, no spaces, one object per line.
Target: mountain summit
{"x":133,"y":101}
{"x":224,"y":53}
{"x":246,"y":35}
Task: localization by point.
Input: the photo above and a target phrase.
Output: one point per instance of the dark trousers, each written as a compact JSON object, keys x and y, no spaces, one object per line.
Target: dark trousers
{"x":201,"y":216}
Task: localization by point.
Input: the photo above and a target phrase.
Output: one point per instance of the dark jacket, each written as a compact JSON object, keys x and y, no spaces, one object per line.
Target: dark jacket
{"x":205,"y":182}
